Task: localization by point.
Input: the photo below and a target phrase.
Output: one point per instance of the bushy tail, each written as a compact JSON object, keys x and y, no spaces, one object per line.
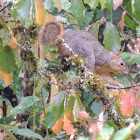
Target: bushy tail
{"x":50,"y":33}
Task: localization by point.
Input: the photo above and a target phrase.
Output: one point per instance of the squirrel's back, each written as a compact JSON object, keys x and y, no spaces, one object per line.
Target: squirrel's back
{"x":85,"y":45}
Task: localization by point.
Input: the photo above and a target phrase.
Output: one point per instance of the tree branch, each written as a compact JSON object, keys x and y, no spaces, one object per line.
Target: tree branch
{"x":111,"y":87}
{"x":130,"y":15}
{"x":2,"y":9}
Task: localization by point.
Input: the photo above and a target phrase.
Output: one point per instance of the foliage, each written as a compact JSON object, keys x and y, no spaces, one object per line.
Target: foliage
{"x":42,"y":98}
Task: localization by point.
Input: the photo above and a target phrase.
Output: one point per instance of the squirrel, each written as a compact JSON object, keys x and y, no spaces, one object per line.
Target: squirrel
{"x":84,"y":44}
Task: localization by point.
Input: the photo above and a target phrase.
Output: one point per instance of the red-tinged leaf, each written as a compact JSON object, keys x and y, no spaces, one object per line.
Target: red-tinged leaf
{"x":93,"y":128}
{"x":58,"y":126}
{"x":83,"y":115}
{"x":117,"y":3}
{"x":133,"y":99}
{"x":127,"y":103}
{"x":137,"y":45}
{"x":122,"y":21}
{"x":68,"y":126}
{"x":1,"y":135}
{"x":100,"y":123}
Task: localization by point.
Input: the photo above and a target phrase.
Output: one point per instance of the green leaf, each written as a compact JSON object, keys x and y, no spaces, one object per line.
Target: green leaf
{"x":17,"y":84}
{"x":2,"y":85}
{"x":107,"y":132}
{"x":49,"y":5}
{"x":87,"y":98}
{"x":88,"y":17}
{"x":49,"y":119}
{"x":77,"y":9}
{"x":102,"y":4}
{"x":39,"y":85}
{"x":97,"y":107}
{"x":4,"y":33}
{"x":86,"y":1}
{"x":7,"y":60}
{"x":128,"y":58}
{"x":58,"y":102}
{"x":95,"y":30}
{"x":25,"y":103}
{"x":137,"y":133}
{"x":138,"y":31}
{"x":57,"y":99}
{"x":137,"y":104}
{"x":122,"y":134}
{"x":6,"y":120}
{"x":11,"y":136}
{"x":128,"y":20}
{"x":137,"y":9}
{"x":111,"y":124}
{"x":71,"y":101}
{"x":27,"y":133}
{"x":111,"y":38}
{"x":18,"y":60}
{"x":24,"y":10}
{"x":123,"y":80}
{"x":83,"y":138}
{"x":92,"y":3}
{"x":78,"y":106}
{"x":109,"y":4}
{"x":65,"y":5}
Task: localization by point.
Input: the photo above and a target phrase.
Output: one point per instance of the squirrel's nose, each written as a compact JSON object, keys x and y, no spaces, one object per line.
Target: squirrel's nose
{"x":126,"y":73}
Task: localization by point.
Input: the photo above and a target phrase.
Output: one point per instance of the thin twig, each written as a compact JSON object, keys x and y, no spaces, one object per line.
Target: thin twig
{"x":130,"y":15}
{"x":10,"y":20}
{"x":2,"y":9}
{"x":136,"y":85}
{"x":81,"y":25}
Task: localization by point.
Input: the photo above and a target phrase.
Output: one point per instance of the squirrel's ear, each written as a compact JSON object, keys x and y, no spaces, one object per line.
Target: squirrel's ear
{"x":117,"y":54}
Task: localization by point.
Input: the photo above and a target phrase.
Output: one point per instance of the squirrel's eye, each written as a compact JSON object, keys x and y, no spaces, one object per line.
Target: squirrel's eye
{"x":121,"y":64}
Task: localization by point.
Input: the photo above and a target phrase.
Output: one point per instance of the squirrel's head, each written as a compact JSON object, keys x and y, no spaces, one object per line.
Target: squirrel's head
{"x":118,"y":65}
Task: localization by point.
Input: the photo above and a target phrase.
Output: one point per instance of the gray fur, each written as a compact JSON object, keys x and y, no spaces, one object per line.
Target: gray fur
{"x":79,"y":41}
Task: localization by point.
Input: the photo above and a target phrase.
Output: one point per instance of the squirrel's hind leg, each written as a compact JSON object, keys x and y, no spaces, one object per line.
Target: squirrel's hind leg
{"x":90,"y":62}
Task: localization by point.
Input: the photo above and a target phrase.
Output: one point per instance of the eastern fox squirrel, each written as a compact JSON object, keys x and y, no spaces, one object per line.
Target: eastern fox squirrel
{"x":85,"y":45}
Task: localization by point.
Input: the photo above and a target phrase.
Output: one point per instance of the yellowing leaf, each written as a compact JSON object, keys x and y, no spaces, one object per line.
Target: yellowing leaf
{"x":39,"y":86}
{"x":6,"y":77}
{"x":41,"y":15}
{"x":54,"y":88}
{"x":40,"y":12}
{"x":69,"y":115}
{"x":58,"y":126}
{"x":13,"y":41}
{"x":114,"y":93}
{"x":58,"y":3}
